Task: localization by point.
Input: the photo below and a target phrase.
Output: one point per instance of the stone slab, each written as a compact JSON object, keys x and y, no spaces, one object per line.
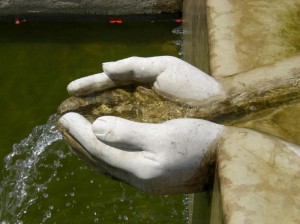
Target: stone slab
{"x":258,"y":177}
{"x":246,"y":35}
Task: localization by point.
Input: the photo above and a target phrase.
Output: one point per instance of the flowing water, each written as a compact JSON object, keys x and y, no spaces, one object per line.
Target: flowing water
{"x":41,"y":180}
{"x":28,"y":169}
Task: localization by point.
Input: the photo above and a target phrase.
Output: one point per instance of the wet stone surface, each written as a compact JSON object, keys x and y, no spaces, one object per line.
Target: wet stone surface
{"x":134,"y":103}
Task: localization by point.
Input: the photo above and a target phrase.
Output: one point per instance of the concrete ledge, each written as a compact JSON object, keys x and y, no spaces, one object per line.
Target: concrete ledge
{"x":88,"y":7}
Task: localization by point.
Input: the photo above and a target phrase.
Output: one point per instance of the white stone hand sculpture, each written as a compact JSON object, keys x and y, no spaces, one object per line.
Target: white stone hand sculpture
{"x":174,"y":156}
{"x":167,"y":158}
{"x":170,"y":77}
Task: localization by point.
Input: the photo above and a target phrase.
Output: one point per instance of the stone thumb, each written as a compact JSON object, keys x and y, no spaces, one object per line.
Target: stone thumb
{"x":122,"y":133}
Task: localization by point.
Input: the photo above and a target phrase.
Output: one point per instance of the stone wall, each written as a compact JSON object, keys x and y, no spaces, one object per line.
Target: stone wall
{"x":91,"y":7}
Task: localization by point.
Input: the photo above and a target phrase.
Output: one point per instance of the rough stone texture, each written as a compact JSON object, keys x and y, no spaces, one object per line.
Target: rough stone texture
{"x":98,"y":7}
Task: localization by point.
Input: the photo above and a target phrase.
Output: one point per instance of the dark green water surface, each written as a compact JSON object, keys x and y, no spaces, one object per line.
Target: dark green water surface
{"x":37,"y":61}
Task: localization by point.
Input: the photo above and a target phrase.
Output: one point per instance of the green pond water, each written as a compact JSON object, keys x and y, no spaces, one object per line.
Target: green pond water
{"x":41,"y":180}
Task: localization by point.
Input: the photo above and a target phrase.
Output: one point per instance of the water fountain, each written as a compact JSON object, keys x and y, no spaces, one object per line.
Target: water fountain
{"x":235,"y":48}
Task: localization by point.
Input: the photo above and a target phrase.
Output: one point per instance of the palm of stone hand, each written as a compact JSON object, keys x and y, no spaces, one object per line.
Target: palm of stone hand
{"x":159,"y":158}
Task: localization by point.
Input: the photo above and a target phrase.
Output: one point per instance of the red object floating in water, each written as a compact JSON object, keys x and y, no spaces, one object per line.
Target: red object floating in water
{"x":179,"y":20}
{"x":118,"y":21}
{"x":17,"y":22}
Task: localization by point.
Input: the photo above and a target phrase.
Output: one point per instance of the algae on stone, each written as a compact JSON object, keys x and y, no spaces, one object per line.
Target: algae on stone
{"x":290,"y":30}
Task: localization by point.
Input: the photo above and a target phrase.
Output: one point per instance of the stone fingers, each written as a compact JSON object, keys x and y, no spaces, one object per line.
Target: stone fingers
{"x":90,"y":84}
{"x":120,"y":132}
{"x":136,"y":163}
{"x":120,"y":73}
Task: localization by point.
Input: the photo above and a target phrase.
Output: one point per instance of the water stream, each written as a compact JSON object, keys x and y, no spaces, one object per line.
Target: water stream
{"x":24,"y":180}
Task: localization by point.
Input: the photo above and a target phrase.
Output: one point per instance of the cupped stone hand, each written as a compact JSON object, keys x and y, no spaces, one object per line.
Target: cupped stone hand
{"x":169,"y":76}
{"x":166,"y":158}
